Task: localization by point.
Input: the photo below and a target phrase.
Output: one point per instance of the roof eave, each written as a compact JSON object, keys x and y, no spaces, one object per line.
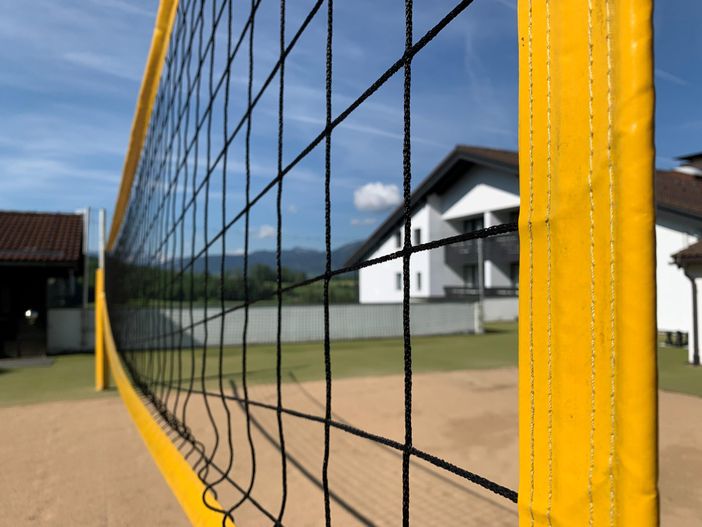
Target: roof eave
{"x":667,"y":207}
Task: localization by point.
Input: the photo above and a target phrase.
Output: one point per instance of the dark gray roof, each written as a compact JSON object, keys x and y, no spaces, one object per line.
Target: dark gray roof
{"x":690,"y":157}
{"x":689,"y":255}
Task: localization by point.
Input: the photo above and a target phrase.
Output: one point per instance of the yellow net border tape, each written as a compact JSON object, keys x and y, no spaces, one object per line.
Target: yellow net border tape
{"x":184,"y":483}
{"x":147,"y":94}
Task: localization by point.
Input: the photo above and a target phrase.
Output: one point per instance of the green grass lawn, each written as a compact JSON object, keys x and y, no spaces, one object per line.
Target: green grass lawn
{"x":675,"y":374}
{"x":71,"y":377}
{"x":357,"y":358}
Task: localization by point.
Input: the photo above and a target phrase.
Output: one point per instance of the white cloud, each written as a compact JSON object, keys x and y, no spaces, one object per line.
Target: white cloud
{"x":376,"y":197}
{"x":103,"y":63}
{"x":362,"y":221}
{"x":292,"y":209}
{"x":667,"y":76}
{"x":264,"y":231}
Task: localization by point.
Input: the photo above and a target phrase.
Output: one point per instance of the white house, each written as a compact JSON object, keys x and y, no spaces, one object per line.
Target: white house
{"x":474,"y":188}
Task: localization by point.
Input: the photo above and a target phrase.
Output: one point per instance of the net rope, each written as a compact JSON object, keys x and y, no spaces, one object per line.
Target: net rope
{"x":154,"y":265}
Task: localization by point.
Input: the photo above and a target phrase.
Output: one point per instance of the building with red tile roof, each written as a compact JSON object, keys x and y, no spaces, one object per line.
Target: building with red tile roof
{"x":41,"y":261}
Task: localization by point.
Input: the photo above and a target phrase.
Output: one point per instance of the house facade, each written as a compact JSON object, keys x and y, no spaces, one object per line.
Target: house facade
{"x":41,"y":262}
{"x":475,"y":188}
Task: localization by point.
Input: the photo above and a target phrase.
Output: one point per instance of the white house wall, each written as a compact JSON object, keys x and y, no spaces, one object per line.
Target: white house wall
{"x":441,"y":274}
{"x":378,"y":283}
{"x":487,"y":192}
{"x":492,"y":193}
{"x":420,"y":262}
{"x":673,"y":234}
{"x":479,"y":190}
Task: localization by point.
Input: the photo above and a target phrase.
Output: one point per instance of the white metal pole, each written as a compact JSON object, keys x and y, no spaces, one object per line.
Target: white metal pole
{"x":693,"y":338}
{"x":86,"y":275}
{"x":481,"y":287}
{"x":101,"y":239}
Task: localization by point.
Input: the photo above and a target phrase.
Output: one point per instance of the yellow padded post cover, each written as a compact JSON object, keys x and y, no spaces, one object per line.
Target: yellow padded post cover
{"x":587,"y":354}
{"x":102,"y":373}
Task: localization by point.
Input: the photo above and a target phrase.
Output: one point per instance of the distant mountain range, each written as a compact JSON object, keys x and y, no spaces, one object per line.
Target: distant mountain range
{"x":309,"y":261}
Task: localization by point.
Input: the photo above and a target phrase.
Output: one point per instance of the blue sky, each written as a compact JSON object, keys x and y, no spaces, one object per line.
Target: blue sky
{"x":71,"y":70}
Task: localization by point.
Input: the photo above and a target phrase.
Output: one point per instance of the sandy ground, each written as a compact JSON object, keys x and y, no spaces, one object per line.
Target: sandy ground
{"x":70,"y":463}
{"x":79,"y":463}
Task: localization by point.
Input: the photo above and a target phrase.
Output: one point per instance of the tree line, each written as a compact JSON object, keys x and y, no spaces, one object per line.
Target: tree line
{"x":153,"y":285}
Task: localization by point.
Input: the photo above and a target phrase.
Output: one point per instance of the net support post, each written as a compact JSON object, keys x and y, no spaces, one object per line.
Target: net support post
{"x":587,"y":333}
{"x":102,"y":375}
{"x":86,"y":273}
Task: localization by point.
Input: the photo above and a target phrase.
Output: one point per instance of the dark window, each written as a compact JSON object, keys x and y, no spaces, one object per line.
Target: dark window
{"x":398,"y":239}
{"x":514,"y":216}
{"x":419,"y":281}
{"x":470,"y":275}
{"x":417,"y":236}
{"x":398,"y":281}
{"x":473,"y":224}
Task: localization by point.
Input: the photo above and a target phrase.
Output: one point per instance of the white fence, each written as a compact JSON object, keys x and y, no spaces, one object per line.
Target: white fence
{"x":299,"y":323}
{"x":65,"y":331}
{"x":305,"y":323}
{"x":498,"y":309}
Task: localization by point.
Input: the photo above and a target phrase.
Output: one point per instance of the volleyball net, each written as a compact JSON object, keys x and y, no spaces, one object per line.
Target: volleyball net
{"x":191,"y":191}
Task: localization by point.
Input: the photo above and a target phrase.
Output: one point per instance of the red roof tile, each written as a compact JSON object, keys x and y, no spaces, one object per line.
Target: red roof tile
{"x":40,"y":237}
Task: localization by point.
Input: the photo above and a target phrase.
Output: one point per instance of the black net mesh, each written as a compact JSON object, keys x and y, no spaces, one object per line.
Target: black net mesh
{"x":181,"y":317}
